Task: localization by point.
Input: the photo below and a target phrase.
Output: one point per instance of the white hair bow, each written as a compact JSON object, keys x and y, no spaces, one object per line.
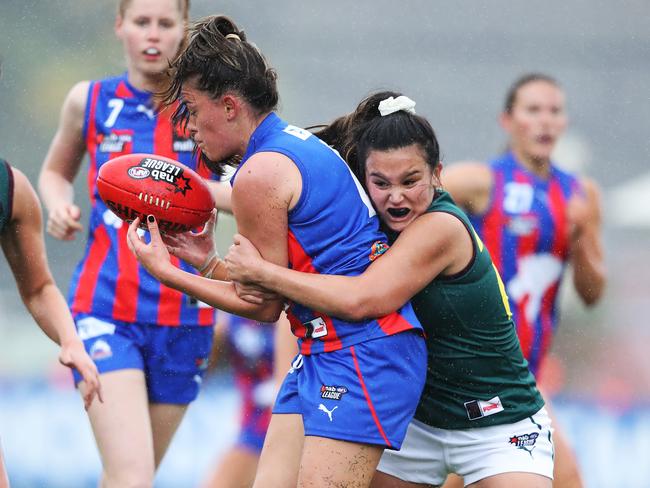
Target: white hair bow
{"x":392,"y":105}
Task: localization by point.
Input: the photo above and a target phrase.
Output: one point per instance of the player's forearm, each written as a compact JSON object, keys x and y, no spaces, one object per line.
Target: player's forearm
{"x":50,"y":311}
{"x":589,"y":275}
{"x":345,"y":297}
{"x":54,"y":189}
{"x":219,"y":294}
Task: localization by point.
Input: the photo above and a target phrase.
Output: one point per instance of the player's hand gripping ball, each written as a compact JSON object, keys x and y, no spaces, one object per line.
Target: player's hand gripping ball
{"x":136,"y":185}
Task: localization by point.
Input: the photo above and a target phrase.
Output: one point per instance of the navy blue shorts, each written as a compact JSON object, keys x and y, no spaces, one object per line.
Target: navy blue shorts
{"x":173,"y":358}
{"x":366,"y":393}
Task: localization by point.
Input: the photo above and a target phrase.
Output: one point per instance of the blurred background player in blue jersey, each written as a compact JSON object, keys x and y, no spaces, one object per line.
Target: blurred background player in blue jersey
{"x":150,"y":343}
{"x":535,"y":219}
{"x":248,"y":346}
{"x":21,"y":237}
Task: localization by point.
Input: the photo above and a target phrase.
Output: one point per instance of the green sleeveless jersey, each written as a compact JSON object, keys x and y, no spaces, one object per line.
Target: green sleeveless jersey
{"x":6,"y":193}
{"x":477,"y":374}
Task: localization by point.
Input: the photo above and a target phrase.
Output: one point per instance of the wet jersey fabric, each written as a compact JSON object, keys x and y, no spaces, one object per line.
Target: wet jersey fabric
{"x":6,"y":194}
{"x":477,"y":375}
{"x":526,"y":231}
{"x":251,"y":356}
{"x":109,"y":282}
{"x":333,"y":229}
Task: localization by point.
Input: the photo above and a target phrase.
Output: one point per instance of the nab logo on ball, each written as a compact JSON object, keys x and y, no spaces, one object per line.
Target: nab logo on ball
{"x":165,"y":171}
{"x":137,"y":185}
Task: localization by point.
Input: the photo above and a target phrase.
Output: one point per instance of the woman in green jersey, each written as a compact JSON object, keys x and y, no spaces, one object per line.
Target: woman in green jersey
{"x":480,"y":414}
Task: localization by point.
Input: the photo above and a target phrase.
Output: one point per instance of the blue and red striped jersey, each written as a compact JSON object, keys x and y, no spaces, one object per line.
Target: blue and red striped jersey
{"x":108,"y":281}
{"x":333,"y":229}
{"x":527,"y":233}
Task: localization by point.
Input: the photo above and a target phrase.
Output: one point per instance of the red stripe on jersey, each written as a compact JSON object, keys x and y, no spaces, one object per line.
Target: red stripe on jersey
{"x":373,"y":412}
{"x":394,"y":323}
{"x":123,"y":91}
{"x":128,"y":282}
{"x":169,"y":303}
{"x":299,"y":330}
{"x":558,"y":207}
{"x":83,"y":299}
{"x":206,"y":316}
{"x":493,"y":222}
{"x":298,"y":258}
{"x":301,"y":261}
{"x":91,"y":142}
{"x":524,"y":328}
{"x":526,"y":244}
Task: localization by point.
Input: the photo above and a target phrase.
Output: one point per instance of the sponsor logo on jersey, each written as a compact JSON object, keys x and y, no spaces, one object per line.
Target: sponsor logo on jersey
{"x":182,"y":145}
{"x":481,"y":408}
{"x":315,"y":328}
{"x":377,"y":249}
{"x":181,"y":142}
{"x":113,"y":143}
{"x":332,"y":392}
{"x":522,"y":225}
{"x":525,"y":442}
{"x":167,"y":172}
{"x":329,"y":413}
{"x":100,"y":350}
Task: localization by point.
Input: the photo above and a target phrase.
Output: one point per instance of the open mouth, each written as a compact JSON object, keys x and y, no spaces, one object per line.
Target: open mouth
{"x":151,"y":51}
{"x":545,"y":139}
{"x":398,"y":213}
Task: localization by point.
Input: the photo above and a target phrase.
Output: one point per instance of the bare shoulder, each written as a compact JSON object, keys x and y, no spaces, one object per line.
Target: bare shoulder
{"x":469,"y":183}
{"x":434,"y":231}
{"x":26,"y":205}
{"x":475,"y":174}
{"x":78,"y":95}
{"x":591,"y":187}
{"x":268,"y":175}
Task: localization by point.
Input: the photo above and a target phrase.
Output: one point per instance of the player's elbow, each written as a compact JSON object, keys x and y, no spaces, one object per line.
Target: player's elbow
{"x":593,"y":292}
{"x":268,"y":313}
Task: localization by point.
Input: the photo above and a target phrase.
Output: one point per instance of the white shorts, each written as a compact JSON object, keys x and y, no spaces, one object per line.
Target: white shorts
{"x":429,"y":454}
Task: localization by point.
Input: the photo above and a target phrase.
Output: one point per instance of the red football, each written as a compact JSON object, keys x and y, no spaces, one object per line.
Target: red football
{"x":135,"y":185}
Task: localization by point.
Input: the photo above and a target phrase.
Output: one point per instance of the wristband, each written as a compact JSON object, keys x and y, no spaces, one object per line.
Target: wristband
{"x":208,"y":262}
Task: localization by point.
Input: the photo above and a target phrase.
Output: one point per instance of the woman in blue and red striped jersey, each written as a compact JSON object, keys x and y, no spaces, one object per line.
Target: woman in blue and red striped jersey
{"x":535,"y":219}
{"x":149,"y":342}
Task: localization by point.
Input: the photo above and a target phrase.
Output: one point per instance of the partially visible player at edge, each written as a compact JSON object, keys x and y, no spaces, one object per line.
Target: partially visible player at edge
{"x":21,"y":237}
{"x":150,"y":343}
{"x":297,"y":200}
{"x":535,"y":219}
